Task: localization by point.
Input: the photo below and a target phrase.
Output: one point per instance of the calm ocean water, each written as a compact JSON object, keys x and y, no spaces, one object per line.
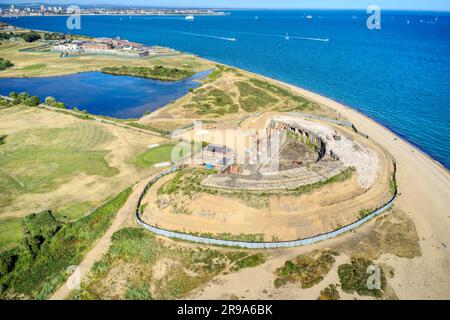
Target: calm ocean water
{"x":399,"y":75}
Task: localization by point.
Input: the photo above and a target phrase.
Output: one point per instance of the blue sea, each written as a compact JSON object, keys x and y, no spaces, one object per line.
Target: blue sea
{"x":398,"y":75}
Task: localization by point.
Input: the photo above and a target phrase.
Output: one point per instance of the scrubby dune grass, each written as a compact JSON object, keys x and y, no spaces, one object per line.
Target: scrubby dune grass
{"x":144,"y":267}
{"x":39,"y":273}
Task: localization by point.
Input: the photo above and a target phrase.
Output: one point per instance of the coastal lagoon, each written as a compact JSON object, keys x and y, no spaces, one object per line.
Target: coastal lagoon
{"x":104,"y":94}
{"x":399,"y":75}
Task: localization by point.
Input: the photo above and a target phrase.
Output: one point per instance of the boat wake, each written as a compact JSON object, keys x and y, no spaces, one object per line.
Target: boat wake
{"x":285,"y":36}
{"x":203,"y":35}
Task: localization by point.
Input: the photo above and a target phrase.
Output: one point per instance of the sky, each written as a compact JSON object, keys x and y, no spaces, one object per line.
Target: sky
{"x":431,"y":5}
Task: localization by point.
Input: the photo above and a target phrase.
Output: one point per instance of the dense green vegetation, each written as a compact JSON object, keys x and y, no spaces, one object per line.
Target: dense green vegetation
{"x":50,"y":101}
{"x":30,"y":36}
{"x":354,"y":276}
{"x":308,"y":269}
{"x":40,"y":160}
{"x":157,"y":72}
{"x":5,"y":64}
{"x":155,"y":155}
{"x":180,"y":268}
{"x":38,"y":267}
{"x":2,"y":139}
{"x":6,"y":35}
{"x":53,"y":36}
{"x":24,"y":98}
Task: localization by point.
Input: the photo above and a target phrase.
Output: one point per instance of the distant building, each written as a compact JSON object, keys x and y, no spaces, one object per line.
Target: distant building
{"x":67,"y":47}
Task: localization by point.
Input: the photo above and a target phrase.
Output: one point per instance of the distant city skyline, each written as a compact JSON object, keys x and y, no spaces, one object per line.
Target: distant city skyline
{"x":423,"y":5}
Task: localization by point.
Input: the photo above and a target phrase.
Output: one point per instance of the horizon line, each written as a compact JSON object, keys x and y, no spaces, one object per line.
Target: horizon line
{"x":223,"y":8}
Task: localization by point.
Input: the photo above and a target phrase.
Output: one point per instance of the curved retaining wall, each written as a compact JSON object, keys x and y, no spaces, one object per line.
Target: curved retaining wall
{"x":252,"y":245}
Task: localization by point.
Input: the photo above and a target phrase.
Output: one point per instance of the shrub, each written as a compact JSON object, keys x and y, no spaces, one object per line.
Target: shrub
{"x":38,"y":228}
{"x":329,"y":293}
{"x":30,"y":36}
{"x":32,"y":101}
{"x":7,"y":262}
{"x":5,"y":64}
{"x":354,"y":276}
{"x":13,"y":95}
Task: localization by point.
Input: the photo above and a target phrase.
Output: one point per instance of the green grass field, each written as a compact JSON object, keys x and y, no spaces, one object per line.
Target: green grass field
{"x":74,"y":211}
{"x":34,"y":67}
{"x":156,"y":155}
{"x":10,"y":233}
{"x":40,"y":160}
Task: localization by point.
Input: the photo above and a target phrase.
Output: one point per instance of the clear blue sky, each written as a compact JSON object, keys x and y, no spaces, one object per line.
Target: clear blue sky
{"x":439,"y":5}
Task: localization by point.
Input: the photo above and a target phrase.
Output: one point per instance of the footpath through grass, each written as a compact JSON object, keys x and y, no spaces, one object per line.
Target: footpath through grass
{"x":146,"y":268}
{"x":38,"y":267}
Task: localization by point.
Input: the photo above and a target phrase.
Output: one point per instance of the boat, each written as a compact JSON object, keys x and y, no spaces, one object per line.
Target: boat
{"x":287,"y":36}
{"x":309,"y":17}
{"x":189,"y":17}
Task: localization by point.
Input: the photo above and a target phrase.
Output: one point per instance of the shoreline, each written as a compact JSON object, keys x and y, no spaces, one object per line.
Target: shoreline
{"x":341,"y":108}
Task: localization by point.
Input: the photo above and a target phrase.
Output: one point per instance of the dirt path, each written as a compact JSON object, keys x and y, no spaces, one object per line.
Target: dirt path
{"x":103,"y":244}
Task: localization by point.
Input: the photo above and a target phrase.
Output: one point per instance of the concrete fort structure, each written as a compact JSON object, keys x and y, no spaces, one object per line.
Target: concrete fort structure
{"x":327,"y":177}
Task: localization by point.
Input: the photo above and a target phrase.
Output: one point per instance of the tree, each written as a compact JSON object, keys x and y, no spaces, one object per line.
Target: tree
{"x":33,"y":101}
{"x":50,"y":101}
{"x":13,"y":94}
{"x":31,"y":36}
{"x":5,"y":64}
{"x":23,"y":96}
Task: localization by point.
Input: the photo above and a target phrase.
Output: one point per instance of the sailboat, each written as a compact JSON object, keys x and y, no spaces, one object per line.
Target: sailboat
{"x":287,"y":36}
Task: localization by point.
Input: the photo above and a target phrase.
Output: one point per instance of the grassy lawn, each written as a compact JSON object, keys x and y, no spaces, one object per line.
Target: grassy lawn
{"x":34,"y":67}
{"x":36,"y":271}
{"x":74,"y":211}
{"x":159,"y":154}
{"x":40,"y":160}
{"x":144,"y":268}
{"x":11,"y":233}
